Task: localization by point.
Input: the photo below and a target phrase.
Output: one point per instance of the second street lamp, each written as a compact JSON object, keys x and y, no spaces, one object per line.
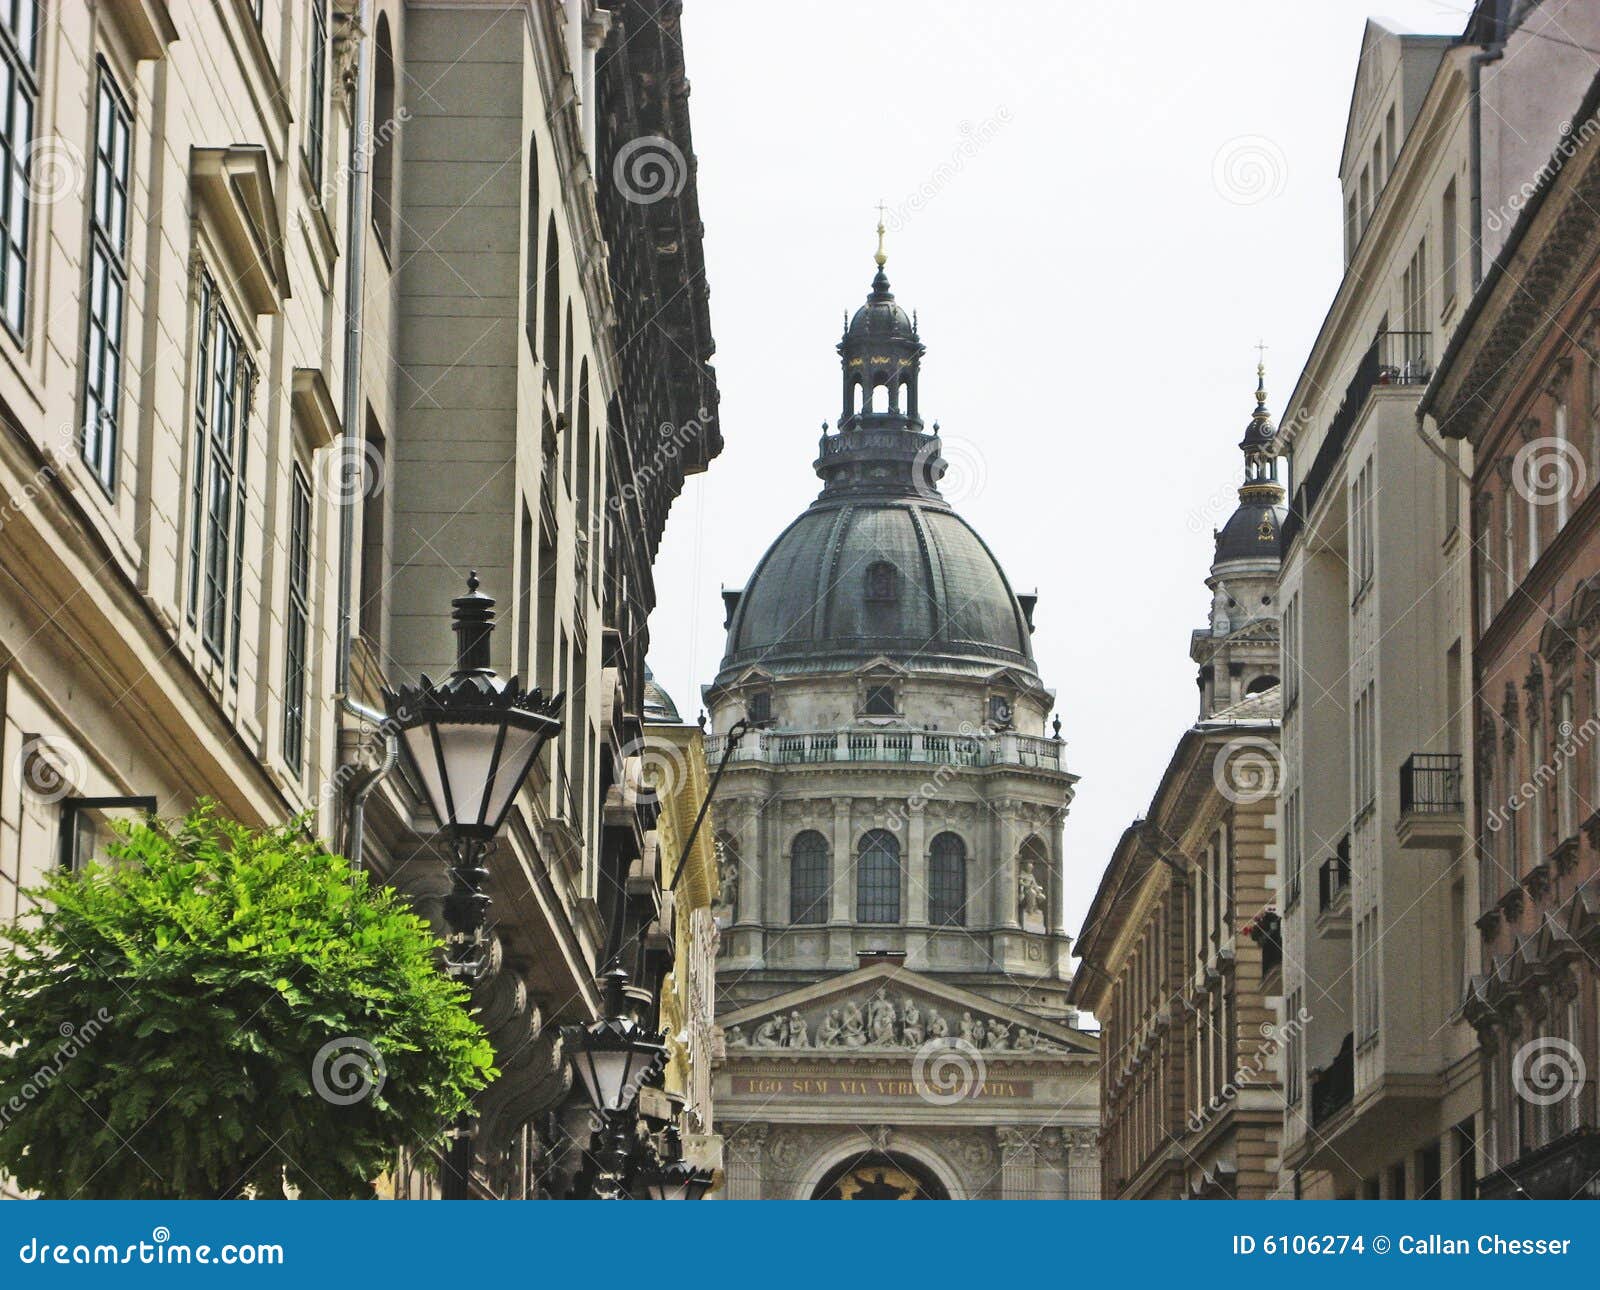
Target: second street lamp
{"x":471,"y":740}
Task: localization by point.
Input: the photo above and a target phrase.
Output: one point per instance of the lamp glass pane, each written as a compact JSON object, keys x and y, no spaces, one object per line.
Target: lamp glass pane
{"x":604,"y":1075}
{"x":419,"y":743}
{"x":521,"y":747}
{"x":468,"y":756}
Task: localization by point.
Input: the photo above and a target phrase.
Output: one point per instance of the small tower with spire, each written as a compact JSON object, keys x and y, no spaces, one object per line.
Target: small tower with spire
{"x":1238,"y":651}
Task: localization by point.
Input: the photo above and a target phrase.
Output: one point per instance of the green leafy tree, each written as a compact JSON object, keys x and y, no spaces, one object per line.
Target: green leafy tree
{"x":221,"y":1011}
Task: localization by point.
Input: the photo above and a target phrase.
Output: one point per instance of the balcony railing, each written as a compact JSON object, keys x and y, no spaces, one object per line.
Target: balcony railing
{"x":1333,"y":879}
{"x":1334,"y":1087}
{"x":921,"y":747}
{"x":1267,"y":932}
{"x":1394,"y":358}
{"x":1430,"y":784}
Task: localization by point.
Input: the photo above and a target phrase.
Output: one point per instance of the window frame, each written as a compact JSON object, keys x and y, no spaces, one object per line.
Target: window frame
{"x":19,"y":59}
{"x":879,"y":878}
{"x":808,"y":885}
{"x":106,"y":275}
{"x":297,"y":619}
{"x":947,"y":880}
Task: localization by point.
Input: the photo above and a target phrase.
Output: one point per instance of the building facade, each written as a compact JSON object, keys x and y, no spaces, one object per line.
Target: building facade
{"x":1375,"y":597}
{"x":1181,"y":949}
{"x":1520,"y":383}
{"x":894,"y":967}
{"x":310,"y":308}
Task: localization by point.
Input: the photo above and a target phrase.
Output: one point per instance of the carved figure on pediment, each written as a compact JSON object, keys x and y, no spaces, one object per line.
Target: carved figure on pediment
{"x":855,"y":1029}
{"x":911,"y":1023}
{"x":938,"y":1027}
{"x":733,"y":1037}
{"x":1024,"y":1041}
{"x":979,"y":1038}
{"x":999,"y":1036}
{"x":796,"y":1036}
{"x":770,"y":1033}
{"x":881,"y":1017}
{"x":968,"y":1029}
{"x":830,"y":1030}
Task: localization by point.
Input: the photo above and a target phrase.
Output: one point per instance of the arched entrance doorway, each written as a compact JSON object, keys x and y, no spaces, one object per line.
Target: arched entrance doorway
{"x":879,"y":1175}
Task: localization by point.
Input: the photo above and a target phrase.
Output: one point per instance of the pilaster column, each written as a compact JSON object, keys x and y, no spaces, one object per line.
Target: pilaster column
{"x":842,"y":866}
{"x":744,"y":1147}
{"x":1019,"y":1163}
{"x":1007,"y":840}
{"x":752,"y":870}
{"x":916,"y":861}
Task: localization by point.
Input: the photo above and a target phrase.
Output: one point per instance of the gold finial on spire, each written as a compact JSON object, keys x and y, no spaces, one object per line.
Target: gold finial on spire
{"x":880,"y":257}
{"x":1261,"y":372}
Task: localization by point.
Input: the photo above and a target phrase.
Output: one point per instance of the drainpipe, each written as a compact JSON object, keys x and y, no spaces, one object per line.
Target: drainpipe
{"x":351,"y":447}
{"x":1492,"y":52}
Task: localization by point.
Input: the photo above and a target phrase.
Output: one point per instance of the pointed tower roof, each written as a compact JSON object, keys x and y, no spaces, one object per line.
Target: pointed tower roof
{"x":1252,"y":532}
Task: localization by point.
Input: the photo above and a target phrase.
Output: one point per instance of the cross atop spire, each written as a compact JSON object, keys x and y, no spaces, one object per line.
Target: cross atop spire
{"x":881,"y":257}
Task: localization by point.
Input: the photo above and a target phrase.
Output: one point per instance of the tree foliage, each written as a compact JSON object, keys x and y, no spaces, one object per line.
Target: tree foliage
{"x":221,"y":1011}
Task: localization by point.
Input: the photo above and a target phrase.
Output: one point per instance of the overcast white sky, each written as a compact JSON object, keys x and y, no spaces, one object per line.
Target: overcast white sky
{"x":1101,"y":207}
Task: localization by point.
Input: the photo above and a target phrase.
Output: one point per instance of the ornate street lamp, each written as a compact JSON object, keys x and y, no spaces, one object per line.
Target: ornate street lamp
{"x":471,"y":739}
{"x":614,"y":1057}
{"x":674,"y":1178}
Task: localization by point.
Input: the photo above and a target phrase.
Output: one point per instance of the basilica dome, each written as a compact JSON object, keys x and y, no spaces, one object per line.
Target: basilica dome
{"x":879,"y":565}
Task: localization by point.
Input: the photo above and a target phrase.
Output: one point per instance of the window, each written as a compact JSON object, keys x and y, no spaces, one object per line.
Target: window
{"x":878,"y":878}
{"x":759,"y":708}
{"x":1568,"y":476}
{"x":374,"y":535}
{"x":19,"y":91}
{"x":1537,"y":774}
{"x":107,"y":284}
{"x":1566,"y":780}
{"x":882,"y":581}
{"x":223,"y":381}
{"x":808,"y":879}
{"x":317,"y":91}
{"x":1414,"y":315}
{"x":879,"y":701}
{"x":947,"y":881}
{"x":530,"y":267}
{"x":1449,"y":240}
{"x":297,"y":618}
{"x":551,"y":355}
{"x":384,"y":126}
{"x":1366,"y":196}
{"x":1361,"y":531}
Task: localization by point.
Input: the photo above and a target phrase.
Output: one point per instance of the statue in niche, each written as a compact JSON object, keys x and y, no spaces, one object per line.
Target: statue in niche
{"x":830,"y":1031}
{"x":881,"y":1018}
{"x":999,"y":1036}
{"x":938,"y":1027}
{"x":968,"y":1030}
{"x":855,"y":1030}
{"x":727,"y":903}
{"x":796,"y":1036}
{"x":911,"y":1023}
{"x":770,"y":1033}
{"x":1030,"y":894}
{"x":733,"y":1037}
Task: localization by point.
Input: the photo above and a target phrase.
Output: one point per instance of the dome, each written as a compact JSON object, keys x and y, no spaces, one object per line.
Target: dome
{"x":881,"y":318}
{"x":855,"y":578}
{"x":658,"y":704}
{"x":1253,"y":532}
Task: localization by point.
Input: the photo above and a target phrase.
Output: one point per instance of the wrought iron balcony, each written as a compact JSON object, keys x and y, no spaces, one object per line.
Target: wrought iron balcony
{"x":1334,"y":1087}
{"x":1266,"y":930}
{"x":1430,"y":800}
{"x":1333,"y":880}
{"x":922,"y":747}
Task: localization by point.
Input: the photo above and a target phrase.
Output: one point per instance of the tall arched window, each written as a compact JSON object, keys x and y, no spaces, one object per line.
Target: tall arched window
{"x":566,"y":399}
{"x":551,"y":356}
{"x":530,"y":267}
{"x":808,"y":878}
{"x":384,"y":127}
{"x":878,"y":878}
{"x":947,"y":881}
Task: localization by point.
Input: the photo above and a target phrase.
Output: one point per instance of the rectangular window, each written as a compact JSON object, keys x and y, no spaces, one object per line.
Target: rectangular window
{"x":223,"y":381}
{"x":317,"y":90}
{"x":19,"y":92}
{"x":1448,"y":243}
{"x":107,"y":284}
{"x":297,"y":619}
